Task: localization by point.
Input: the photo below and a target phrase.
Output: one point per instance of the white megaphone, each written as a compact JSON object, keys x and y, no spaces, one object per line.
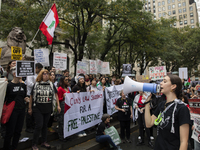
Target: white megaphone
{"x":132,"y":86}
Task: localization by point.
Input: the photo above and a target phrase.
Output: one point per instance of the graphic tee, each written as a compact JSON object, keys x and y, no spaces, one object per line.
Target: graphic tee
{"x":166,"y":140}
{"x":44,"y":96}
{"x":124,"y":104}
{"x":12,"y":92}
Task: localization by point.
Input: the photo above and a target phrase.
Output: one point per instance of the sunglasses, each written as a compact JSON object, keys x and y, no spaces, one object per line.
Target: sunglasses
{"x":45,"y":73}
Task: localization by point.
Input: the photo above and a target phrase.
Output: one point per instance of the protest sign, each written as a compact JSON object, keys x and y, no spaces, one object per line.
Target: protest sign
{"x":112,"y":132}
{"x":93,"y":67}
{"x":105,"y":68}
{"x":25,"y":68}
{"x":41,"y":56}
{"x":112,"y":94}
{"x":88,"y":65}
{"x":157,"y":73}
{"x":183,"y":73}
{"x":3,"y":87}
{"x":99,"y":65}
{"x":16,"y":53}
{"x":196,"y":131}
{"x":143,"y":78}
{"x":0,"y":52}
{"x":194,"y":108}
{"x":82,"y":110}
{"x":81,"y":67}
{"x":127,"y":70}
{"x":60,"y":61}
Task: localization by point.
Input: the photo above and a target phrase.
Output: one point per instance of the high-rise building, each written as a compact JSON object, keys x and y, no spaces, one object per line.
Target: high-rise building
{"x":198,"y":8}
{"x":184,"y":11}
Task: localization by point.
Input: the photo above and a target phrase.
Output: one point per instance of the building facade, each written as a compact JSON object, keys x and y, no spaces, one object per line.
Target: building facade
{"x":184,"y":11}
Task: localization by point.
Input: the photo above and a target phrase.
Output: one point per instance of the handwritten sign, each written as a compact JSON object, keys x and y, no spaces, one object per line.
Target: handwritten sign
{"x":82,"y":110}
{"x":196,"y":131}
{"x":41,"y":56}
{"x":16,"y":53}
{"x":60,"y":61}
{"x":93,"y":67}
{"x":105,"y":68}
{"x":81,"y":67}
{"x":99,"y":65}
{"x":157,"y":73}
{"x":183,"y":73}
{"x":25,"y":68}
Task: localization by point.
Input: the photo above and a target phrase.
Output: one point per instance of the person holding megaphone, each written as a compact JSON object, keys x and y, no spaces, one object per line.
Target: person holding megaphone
{"x":171,"y":116}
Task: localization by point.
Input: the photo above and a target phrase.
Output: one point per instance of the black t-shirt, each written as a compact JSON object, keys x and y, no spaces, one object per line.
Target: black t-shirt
{"x":77,"y":87}
{"x":44,"y":97}
{"x":12,"y":92}
{"x":101,"y":127}
{"x":124,"y":104}
{"x":166,"y":140}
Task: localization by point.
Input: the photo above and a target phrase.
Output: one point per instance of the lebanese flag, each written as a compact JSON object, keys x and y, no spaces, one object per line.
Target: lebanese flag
{"x":49,"y":24}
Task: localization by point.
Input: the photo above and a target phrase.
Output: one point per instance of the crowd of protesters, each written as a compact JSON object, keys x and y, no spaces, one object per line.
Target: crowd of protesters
{"x":40,"y":101}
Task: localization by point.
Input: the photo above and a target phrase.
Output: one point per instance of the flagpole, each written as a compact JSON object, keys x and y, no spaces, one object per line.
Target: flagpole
{"x":34,"y":37}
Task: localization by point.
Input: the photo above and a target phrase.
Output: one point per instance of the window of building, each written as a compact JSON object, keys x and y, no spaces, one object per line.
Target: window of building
{"x":191,"y":8}
{"x":179,"y":4}
{"x":159,"y":15}
{"x":174,"y":12}
{"x":179,"y":0}
{"x":192,"y":21}
{"x":163,"y":2}
{"x":191,"y":15}
{"x":184,"y":9}
{"x":169,"y":7}
{"x":181,"y":23}
{"x":180,"y":10}
{"x":192,"y":26}
{"x":163,"y":8}
{"x":169,"y":13}
{"x":183,"y":4}
{"x":180,"y":16}
{"x":185,"y":21}
{"x":154,"y":11}
{"x":149,"y":7}
{"x":173,"y":1}
{"x":174,"y":23}
{"x":164,"y":14}
{"x":173,"y":6}
{"x":185,"y":16}
{"x":168,"y":1}
{"x":159,"y":3}
{"x":159,"y":9}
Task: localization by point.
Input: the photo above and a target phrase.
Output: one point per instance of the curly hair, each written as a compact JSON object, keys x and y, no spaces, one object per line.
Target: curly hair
{"x":39,"y":77}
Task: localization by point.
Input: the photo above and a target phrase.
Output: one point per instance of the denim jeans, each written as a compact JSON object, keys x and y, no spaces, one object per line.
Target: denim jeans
{"x":196,"y":145}
{"x":105,"y":138}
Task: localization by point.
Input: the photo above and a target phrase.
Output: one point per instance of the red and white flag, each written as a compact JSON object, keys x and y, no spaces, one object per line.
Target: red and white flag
{"x":49,"y":24}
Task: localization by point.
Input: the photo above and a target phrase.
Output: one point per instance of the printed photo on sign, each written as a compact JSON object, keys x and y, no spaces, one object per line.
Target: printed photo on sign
{"x":16,"y":53}
{"x":196,"y":131}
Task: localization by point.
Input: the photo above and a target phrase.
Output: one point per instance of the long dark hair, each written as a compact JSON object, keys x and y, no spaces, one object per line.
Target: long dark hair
{"x":176,"y":80}
{"x":8,"y":66}
{"x":61,"y":82}
{"x":50,"y":75}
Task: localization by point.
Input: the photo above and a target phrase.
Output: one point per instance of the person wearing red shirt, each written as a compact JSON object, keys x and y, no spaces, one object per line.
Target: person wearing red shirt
{"x":62,"y":90}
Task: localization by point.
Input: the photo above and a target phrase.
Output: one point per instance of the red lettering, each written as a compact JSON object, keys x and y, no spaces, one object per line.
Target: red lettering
{"x":71,"y":101}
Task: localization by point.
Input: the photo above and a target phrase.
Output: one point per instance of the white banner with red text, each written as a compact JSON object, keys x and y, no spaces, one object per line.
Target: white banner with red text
{"x":82,"y":110}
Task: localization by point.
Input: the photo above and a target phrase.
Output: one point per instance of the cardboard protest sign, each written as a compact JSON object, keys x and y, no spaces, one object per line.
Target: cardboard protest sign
{"x":3,"y":87}
{"x":25,"y":68}
{"x":105,"y":68}
{"x":93,"y":67}
{"x":81,"y":67}
{"x":143,"y":78}
{"x":82,"y":110}
{"x":183,"y":73}
{"x":112,"y":132}
{"x":196,"y":131}
{"x":112,"y":94}
{"x":127,"y":70}
{"x":0,"y":52}
{"x":41,"y":56}
{"x":60,"y":61}
{"x":16,"y":53}
{"x":157,"y":73}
